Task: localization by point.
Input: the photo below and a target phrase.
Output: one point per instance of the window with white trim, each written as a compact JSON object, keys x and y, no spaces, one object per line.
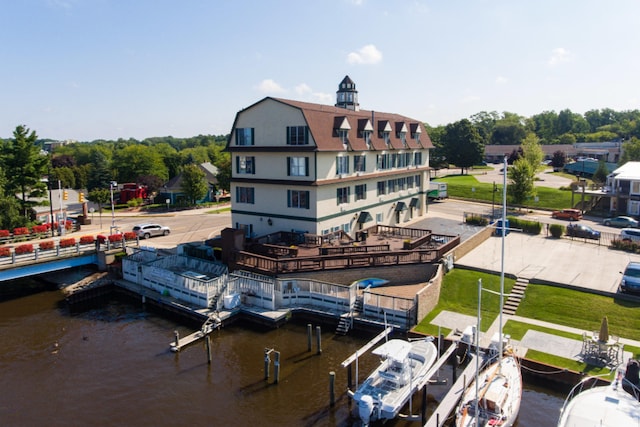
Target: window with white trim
{"x":245,"y":165}
{"x":244,"y":136}
{"x":297,"y":166}
{"x":361,"y":192}
{"x":342,"y":195}
{"x":342,"y":165}
{"x":298,"y":199}
{"x":245,"y":195}
{"x":359,"y":163}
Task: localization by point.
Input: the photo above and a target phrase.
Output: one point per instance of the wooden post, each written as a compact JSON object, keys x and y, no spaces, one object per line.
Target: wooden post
{"x":318,"y":339}
{"x":276,"y":364}
{"x":349,"y":379}
{"x":454,"y":374}
{"x":177,"y":336}
{"x":309,"y":333}
{"x":208,"y":342}
{"x":267,"y":360}
{"x":332,"y":383}
{"x":424,"y":404}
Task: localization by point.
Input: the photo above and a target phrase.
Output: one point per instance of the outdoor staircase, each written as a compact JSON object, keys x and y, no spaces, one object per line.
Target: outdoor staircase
{"x":346,"y":319}
{"x":517,"y":293}
{"x":344,"y":324}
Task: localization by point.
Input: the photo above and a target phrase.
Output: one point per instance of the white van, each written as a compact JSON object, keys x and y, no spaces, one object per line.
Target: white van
{"x":630,"y":235}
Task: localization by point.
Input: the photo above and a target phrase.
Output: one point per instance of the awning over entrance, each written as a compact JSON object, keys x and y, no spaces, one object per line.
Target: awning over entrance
{"x":414,"y":202}
{"x":400,"y":206}
{"x":364,"y":217}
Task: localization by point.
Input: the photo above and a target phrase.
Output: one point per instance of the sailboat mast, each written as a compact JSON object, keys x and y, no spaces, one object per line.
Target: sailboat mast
{"x":504,"y":232}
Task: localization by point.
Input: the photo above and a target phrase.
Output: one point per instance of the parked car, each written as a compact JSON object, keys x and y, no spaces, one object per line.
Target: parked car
{"x":621,"y":221}
{"x":581,"y":230}
{"x":631,"y":278}
{"x":630,"y":235}
{"x":570,"y":214}
{"x":144,"y":231}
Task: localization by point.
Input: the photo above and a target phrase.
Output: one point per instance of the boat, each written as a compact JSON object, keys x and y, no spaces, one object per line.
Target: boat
{"x":616,"y":404}
{"x":373,"y":282}
{"x":403,"y":367}
{"x":493,"y":398}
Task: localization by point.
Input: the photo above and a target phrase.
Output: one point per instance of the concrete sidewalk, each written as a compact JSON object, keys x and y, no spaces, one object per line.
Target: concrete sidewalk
{"x":557,"y":261}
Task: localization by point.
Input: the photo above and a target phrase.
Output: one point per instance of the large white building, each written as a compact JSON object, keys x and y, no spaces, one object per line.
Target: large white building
{"x":317,"y":168}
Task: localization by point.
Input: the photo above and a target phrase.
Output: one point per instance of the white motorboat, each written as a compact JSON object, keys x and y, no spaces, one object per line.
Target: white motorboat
{"x":494,"y":396}
{"x":402,"y":370}
{"x":614,"y":404}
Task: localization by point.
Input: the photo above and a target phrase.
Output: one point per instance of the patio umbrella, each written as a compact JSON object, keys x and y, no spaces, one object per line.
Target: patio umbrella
{"x":604,"y":330}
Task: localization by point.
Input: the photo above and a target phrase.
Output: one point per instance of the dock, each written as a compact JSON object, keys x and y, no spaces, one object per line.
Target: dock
{"x":453,"y":396}
{"x":208,"y":327}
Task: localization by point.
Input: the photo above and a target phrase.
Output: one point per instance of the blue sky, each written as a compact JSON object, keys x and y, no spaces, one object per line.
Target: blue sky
{"x":90,"y":69}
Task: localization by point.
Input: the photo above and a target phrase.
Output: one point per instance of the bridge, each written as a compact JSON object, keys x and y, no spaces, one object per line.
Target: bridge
{"x":19,"y":264}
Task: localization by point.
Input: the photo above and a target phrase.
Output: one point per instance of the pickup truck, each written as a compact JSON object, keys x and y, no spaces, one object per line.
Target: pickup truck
{"x":570,"y":214}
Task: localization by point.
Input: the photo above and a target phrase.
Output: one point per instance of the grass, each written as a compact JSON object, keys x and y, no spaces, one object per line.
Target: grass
{"x":468,"y":187}
{"x":576,"y":309}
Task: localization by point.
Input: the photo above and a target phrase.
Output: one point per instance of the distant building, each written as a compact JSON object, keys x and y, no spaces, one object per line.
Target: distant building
{"x":172,"y":190}
{"x":623,"y":188}
{"x":610,"y":151}
{"x":317,"y":168}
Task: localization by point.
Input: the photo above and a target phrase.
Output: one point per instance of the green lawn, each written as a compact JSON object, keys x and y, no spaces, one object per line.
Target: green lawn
{"x":468,"y":187}
{"x":580,"y":310}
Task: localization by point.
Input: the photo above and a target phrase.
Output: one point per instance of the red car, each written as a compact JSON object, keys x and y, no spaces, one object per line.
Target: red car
{"x":570,"y":214}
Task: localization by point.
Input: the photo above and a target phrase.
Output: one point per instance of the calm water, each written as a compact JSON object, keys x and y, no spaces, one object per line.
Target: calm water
{"x":112,"y":366}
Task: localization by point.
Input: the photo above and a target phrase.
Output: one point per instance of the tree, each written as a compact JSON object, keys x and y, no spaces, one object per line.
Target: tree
{"x":462,"y":144}
{"x":101,"y":174}
{"x":24,"y":167}
{"x":558,"y":160}
{"x":224,"y":173}
{"x":532,"y":152}
{"x":193,"y":184}
{"x":521,"y":186}
{"x":600,"y":175}
{"x":100,"y":196}
{"x":630,"y":151}
{"x":136,"y":160}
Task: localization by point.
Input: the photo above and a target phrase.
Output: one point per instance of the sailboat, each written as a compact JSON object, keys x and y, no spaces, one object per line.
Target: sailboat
{"x":494,"y":396}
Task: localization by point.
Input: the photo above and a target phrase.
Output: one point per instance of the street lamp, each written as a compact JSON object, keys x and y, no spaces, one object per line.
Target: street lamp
{"x":113,"y":212}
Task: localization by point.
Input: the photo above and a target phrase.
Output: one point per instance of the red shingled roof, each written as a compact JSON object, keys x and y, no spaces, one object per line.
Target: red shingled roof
{"x":321,"y":120}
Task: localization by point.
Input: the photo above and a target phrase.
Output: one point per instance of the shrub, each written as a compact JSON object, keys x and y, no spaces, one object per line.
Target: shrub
{"x":85,"y":240}
{"x":39,"y":229}
{"x":67,"y":243}
{"x":130,"y":235}
{"x":27,"y":248}
{"x":476,"y":220}
{"x":46,"y":245}
{"x":556,"y":230}
{"x":4,"y":251}
{"x":527,"y":226}
{"x":20,"y":231}
{"x":101,"y":238}
{"x":115,"y":238}
{"x":4,"y":233}
{"x":625,"y":245}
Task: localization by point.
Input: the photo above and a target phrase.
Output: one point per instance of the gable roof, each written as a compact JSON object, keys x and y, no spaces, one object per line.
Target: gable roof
{"x":323,"y":119}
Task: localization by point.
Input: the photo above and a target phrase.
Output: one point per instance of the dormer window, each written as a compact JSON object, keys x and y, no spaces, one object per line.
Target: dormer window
{"x":401,"y":132}
{"x":415,"y":132}
{"x":367,"y":138}
{"x":342,"y":128}
{"x":384,"y":129}
{"x":365,"y":130}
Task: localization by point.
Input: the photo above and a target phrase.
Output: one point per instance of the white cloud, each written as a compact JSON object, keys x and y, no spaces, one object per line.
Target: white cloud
{"x":369,"y":54}
{"x":559,"y":55}
{"x":270,"y":86}
{"x":303,"y":89}
{"x":501,"y":80}
{"x":324,"y":98}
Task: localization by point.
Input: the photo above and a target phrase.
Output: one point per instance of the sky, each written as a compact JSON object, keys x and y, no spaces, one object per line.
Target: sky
{"x":108,"y":69}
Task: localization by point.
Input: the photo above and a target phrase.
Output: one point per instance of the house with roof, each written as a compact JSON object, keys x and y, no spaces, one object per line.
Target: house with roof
{"x":623,"y":189}
{"x":318,"y":169}
{"x":172,"y":190}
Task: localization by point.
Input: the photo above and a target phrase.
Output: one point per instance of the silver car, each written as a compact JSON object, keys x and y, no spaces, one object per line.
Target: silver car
{"x":144,"y":231}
